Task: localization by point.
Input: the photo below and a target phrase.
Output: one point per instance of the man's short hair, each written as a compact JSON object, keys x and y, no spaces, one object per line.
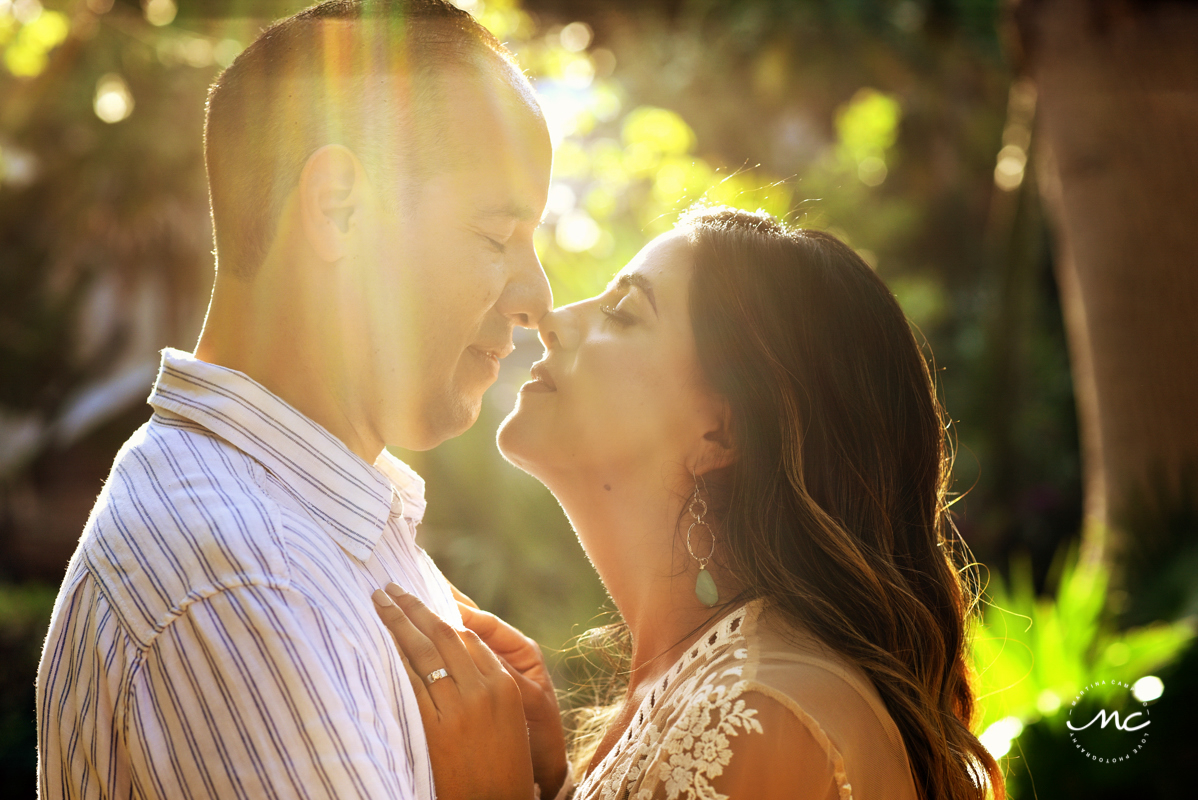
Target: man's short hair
{"x":366,"y":74}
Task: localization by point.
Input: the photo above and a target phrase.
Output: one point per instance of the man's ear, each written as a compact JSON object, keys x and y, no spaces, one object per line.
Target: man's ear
{"x":330,"y":192}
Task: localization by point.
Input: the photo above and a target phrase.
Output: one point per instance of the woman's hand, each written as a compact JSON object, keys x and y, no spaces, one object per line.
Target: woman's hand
{"x":474,"y":717}
{"x":525,"y":663}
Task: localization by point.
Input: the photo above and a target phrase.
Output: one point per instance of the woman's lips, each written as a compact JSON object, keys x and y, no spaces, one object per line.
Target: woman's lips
{"x":541,"y":381}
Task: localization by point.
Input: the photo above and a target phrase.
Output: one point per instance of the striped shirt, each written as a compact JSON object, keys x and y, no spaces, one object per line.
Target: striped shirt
{"x":214,"y":636}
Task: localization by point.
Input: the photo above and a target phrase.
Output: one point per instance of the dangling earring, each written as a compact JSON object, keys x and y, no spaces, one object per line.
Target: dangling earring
{"x":705,"y":588}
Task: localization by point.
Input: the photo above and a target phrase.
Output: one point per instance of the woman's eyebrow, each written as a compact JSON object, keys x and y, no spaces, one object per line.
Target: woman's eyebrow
{"x":641,"y":282}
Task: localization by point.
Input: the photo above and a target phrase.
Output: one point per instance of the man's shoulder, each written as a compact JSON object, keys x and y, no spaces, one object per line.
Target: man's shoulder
{"x":183,"y":514}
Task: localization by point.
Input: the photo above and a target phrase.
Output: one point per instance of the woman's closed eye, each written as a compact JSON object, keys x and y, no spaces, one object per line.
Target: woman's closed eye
{"x":617,"y":315}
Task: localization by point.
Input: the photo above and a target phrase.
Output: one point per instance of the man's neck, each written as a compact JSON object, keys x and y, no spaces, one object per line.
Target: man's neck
{"x":259,"y":328}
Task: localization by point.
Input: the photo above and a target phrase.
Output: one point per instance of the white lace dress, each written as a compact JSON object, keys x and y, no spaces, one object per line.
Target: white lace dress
{"x":756,"y":700}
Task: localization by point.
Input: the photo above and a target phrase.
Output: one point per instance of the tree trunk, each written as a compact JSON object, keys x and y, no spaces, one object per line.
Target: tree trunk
{"x":1117,"y":155}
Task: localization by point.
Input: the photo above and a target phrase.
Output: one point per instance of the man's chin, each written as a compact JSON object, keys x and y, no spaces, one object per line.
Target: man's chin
{"x":448,"y":416}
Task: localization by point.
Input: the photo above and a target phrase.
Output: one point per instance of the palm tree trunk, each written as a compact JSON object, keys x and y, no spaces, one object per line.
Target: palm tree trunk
{"x":1117,"y":155}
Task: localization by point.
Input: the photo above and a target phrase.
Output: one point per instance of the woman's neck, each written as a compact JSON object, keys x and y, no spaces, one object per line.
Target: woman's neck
{"x":629,"y":526}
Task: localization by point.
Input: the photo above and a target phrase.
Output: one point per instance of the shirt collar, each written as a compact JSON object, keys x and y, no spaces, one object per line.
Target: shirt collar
{"x":350,"y":498}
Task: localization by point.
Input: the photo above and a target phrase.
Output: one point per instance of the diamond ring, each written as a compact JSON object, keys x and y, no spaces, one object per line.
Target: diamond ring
{"x":435,"y":676}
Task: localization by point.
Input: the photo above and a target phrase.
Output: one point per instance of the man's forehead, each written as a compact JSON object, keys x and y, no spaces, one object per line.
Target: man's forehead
{"x":493,"y":149}
{"x":499,"y":179}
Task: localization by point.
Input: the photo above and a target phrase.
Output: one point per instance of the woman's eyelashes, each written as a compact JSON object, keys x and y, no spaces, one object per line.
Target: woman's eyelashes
{"x":616,"y":314}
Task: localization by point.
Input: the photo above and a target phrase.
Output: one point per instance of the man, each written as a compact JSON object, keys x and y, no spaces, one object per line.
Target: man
{"x":376,"y":173}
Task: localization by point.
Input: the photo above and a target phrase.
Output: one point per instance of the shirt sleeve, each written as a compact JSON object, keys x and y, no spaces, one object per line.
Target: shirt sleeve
{"x":254,"y":693}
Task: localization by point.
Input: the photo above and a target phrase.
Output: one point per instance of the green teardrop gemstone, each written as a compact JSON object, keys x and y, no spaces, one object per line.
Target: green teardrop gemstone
{"x":705,"y":589}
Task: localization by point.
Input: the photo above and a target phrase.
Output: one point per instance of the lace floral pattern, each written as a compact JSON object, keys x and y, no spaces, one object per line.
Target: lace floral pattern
{"x":680,"y":739}
{"x":697,"y":746}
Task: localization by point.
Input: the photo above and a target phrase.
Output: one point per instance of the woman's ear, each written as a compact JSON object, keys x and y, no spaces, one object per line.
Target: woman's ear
{"x":719,"y":446}
{"x":330,"y":193}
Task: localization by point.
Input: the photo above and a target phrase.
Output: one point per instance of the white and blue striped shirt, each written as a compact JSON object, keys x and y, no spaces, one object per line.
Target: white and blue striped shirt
{"x":214,"y":636}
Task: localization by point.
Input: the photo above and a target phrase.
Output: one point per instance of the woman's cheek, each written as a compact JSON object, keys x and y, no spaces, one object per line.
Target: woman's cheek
{"x":640,"y":396}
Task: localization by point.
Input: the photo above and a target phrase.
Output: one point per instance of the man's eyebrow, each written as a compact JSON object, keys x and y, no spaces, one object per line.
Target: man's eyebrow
{"x":509,"y":211}
{"x":641,"y":282}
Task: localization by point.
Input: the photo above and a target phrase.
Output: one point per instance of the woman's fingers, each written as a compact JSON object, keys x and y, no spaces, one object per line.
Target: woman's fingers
{"x":529,"y":688}
{"x":499,"y":635}
{"x":424,"y":700}
{"x":456,"y":660}
{"x":475,"y":716}
{"x":499,"y":680}
{"x":420,"y":655}
{"x":485,"y":661}
{"x":461,"y":597}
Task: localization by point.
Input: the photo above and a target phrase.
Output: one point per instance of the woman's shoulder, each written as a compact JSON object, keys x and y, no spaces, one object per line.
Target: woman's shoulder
{"x":793,"y":678}
{"x":755,"y":709}
{"x":718,"y":735}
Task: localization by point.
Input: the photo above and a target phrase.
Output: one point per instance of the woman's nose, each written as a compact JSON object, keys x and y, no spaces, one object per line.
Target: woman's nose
{"x":558,"y":329}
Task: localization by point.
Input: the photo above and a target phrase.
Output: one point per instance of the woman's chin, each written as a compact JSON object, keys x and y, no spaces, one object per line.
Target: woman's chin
{"x":517,"y":440}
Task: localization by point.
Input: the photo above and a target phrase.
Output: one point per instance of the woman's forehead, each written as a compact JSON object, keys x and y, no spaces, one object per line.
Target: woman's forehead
{"x":664,"y":260}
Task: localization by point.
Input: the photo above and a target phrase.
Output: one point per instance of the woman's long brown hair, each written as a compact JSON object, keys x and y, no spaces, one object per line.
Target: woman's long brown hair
{"x":835,"y":507}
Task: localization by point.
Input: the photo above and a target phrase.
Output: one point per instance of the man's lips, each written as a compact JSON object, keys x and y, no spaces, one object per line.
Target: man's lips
{"x":491,"y":353}
{"x":541,"y":381}
{"x":495,"y":351}
{"x":489,"y":357}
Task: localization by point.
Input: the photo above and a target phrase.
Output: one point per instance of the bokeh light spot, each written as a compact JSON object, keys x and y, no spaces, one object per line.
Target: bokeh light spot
{"x":197,"y":52}
{"x":18,"y":167}
{"x":40,"y":33}
{"x":576,"y":232}
{"x":114,"y":101}
{"x":868,"y":124}
{"x":659,"y":130}
{"x":160,"y":12}
{"x":26,"y":12}
{"x":1117,"y":654}
{"x":998,"y":736}
{"x":1008,"y":172}
{"x":225,"y":51}
{"x":872,"y":171}
{"x":1048,"y":702}
{"x":578,"y":73}
{"x":1148,"y":688}
{"x":561,"y":199}
{"x":576,"y":36}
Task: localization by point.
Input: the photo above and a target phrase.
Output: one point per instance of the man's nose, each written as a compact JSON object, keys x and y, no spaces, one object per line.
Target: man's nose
{"x":527,"y":297}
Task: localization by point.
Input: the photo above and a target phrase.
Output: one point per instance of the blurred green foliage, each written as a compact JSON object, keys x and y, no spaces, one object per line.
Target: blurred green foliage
{"x":1033,"y":652}
{"x":24,"y":614}
{"x":27,"y":44}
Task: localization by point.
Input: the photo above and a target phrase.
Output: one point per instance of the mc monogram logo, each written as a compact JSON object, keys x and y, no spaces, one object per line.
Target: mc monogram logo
{"x":1107,"y":724}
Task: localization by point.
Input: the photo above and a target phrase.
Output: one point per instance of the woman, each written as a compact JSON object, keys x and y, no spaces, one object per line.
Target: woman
{"x":745,"y":437}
